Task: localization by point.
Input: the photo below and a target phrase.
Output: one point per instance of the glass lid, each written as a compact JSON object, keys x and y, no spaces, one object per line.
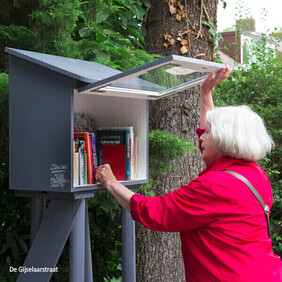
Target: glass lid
{"x":155,"y":80}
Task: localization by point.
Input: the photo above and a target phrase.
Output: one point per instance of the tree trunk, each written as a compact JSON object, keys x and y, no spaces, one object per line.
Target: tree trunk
{"x":159,"y":254}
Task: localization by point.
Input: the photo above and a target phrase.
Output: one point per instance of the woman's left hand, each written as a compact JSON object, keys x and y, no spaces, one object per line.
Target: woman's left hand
{"x":106,"y":177}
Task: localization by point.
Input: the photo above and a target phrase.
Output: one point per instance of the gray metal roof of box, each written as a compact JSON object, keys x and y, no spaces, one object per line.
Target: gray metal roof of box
{"x":85,"y":71}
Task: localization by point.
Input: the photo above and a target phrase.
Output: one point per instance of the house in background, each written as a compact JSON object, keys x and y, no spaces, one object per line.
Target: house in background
{"x":235,"y":46}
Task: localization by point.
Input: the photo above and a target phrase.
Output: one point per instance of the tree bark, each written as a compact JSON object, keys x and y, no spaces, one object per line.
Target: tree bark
{"x":159,"y":254}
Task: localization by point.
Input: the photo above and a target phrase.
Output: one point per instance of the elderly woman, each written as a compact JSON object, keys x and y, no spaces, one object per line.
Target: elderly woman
{"x":223,"y":223}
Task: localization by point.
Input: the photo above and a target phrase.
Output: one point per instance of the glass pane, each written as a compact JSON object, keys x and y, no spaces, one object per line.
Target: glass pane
{"x":159,"y":79}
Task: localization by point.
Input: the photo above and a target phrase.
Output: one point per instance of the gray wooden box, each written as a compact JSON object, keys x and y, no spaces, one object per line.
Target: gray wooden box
{"x":43,"y":99}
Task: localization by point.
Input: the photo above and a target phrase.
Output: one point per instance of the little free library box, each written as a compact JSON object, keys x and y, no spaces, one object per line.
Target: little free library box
{"x":45,"y":94}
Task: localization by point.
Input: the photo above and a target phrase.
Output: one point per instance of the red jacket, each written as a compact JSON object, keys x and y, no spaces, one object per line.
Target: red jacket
{"x":222,"y":225}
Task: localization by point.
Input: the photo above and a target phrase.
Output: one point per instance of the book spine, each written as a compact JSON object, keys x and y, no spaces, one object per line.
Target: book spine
{"x":73,"y":163}
{"x":86,"y":172}
{"x":94,"y":151}
{"x":91,"y":159}
{"x":132,"y":162}
{"x":81,"y":165}
{"x":128,"y":155}
{"x":76,"y":172}
{"x":135,"y":153}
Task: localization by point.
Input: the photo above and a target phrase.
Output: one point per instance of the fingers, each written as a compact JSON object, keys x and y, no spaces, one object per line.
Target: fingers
{"x":104,"y":174}
{"x":228,"y":70}
{"x":222,"y":75}
{"x":212,"y":80}
{"x":100,"y":172}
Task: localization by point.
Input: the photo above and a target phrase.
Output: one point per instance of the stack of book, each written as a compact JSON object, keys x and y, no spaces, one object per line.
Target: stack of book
{"x":85,"y":158}
{"x":114,"y":146}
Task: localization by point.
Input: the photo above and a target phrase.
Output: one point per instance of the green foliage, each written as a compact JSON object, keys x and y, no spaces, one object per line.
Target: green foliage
{"x":215,"y":35}
{"x":224,"y":3}
{"x":13,"y":36}
{"x":108,"y":32}
{"x":114,"y":21}
{"x":4,"y":123}
{"x":164,"y":150}
{"x":113,"y":279}
{"x":53,"y":24}
{"x":258,"y":85}
{"x":111,"y":33}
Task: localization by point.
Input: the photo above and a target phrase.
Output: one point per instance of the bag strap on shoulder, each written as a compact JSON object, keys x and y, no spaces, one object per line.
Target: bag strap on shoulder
{"x":255,"y":192}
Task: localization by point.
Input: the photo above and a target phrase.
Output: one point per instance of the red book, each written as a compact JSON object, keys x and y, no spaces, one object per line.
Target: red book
{"x":92,"y":160}
{"x":115,"y":156}
{"x":85,"y":136}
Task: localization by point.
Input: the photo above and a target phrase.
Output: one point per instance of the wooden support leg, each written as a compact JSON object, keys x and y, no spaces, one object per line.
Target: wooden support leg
{"x":88,"y":257}
{"x":128,"y":247}
{"x":50,"y":239}
{"x":38,"y":209}
{"x":77,"y":246}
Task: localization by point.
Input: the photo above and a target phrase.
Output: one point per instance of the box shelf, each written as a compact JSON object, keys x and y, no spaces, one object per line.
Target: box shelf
{"x":118,"y":112}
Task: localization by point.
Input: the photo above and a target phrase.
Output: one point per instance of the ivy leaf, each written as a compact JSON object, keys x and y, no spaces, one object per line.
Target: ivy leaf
{"x":101,"y":16}
{"x":216,"y":35}
{"x":137,"y":42}
{"x":137,"y":33}
{"x":146,"y":2}
{"x":109,"y":31}
{"x":139,"y":11}
{"x":124,"y":3}
{"x":120,"y":38}
{"x":126,"y":17}
{"x":84,"y":32}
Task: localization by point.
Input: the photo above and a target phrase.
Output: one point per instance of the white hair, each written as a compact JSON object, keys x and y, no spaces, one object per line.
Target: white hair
{"x":239,"y":132}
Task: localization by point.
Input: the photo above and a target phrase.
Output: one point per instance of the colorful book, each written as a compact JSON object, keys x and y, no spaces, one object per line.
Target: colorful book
{"x":95,"y":164}
{"x":84,"y":136}
{"x":135,"y":158}
{"x":75,"y":165}
{"x":91,"y":157}
{"x":129,"y":142}
{"x":115,"y":156}
{"x":79,"y":148}
{"x":81,"y":162}
{"x":108,"y":137}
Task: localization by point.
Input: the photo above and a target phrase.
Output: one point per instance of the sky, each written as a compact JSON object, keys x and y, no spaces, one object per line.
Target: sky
{"x":251,"y":8}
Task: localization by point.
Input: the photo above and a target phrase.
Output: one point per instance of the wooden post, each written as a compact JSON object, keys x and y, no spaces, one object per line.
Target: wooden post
{"x":128,"y":247}
{"x":38,"y":208}
{"x":77,"y":246}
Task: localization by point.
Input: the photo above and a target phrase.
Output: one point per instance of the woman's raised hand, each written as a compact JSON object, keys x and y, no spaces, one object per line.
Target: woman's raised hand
{"x":212,"y":80}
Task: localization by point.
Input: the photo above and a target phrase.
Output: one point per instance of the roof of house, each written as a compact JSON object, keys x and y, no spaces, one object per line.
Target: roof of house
{"x":258,"y":36}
